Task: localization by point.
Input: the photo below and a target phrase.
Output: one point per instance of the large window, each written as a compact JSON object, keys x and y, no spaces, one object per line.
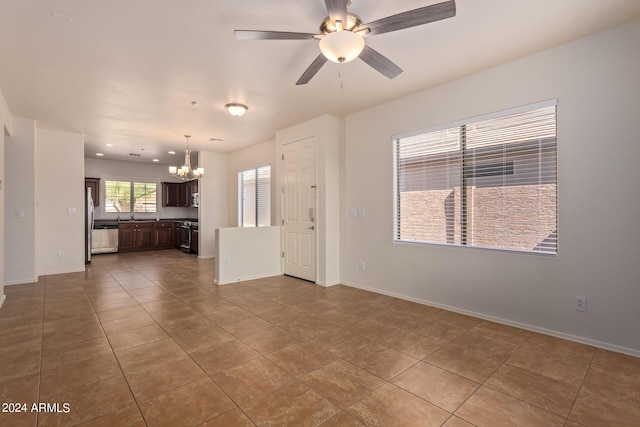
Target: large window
{"x":487,"y":183}
{"x":127,"y":196}
{"x":254,"y":188}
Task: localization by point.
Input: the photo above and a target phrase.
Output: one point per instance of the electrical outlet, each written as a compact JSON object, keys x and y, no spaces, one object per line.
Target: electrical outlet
{"x":60,"y":255}
{"x":362,"y":266}
{"x":581,"y":304}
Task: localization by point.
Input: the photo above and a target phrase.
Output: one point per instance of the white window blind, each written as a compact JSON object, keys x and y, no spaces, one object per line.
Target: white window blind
{"x":489,"y":183}
{"x":117,"y":196}
{"x":144,"y":197}
{"x":255,"y":197}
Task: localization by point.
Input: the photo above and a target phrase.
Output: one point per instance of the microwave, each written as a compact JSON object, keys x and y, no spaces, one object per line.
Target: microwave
{"x":195,"y":200}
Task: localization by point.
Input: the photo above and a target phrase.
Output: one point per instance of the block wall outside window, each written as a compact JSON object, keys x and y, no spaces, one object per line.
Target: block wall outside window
{"x":489,"y":184}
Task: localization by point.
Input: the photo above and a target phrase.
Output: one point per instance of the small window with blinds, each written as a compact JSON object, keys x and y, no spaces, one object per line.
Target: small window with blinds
{"x":486,"y":183}
{"x":255,"y":197}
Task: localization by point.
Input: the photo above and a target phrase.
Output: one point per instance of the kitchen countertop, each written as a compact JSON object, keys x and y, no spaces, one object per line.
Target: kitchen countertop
{"x":112,"y":222}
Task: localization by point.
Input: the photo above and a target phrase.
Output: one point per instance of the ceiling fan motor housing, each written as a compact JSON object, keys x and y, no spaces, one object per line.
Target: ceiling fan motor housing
{"x":353,"y":21}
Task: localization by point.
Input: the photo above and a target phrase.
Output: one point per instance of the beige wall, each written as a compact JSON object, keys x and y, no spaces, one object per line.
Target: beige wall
{"x":5,"y":130}
{"x":214,"y":197}
{"x":595,"y":81}
{"x":247,"y":253}
{"x":20,"y":190}
{"x":59,"y":187}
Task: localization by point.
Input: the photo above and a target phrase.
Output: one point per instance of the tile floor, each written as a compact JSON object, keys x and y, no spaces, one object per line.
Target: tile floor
{"x":147,"y":339}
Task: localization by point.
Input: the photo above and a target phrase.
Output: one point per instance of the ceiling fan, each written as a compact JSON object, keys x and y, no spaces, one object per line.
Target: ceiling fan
{"x":342,"y":35}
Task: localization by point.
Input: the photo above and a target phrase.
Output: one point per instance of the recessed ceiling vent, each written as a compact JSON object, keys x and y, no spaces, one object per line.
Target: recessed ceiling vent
{"x":134,"y":154}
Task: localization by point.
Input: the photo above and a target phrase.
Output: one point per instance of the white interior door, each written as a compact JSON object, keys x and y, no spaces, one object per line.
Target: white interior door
{"x":299,"y":210}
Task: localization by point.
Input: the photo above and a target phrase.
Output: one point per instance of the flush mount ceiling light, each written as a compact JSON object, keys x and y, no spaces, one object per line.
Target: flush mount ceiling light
{"x":185,"y":172}
{"x":236,"y":110}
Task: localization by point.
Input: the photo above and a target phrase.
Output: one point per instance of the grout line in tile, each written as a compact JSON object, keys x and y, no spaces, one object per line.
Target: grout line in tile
{"x":44,"y":297}
{"x":121,"y":370}
{"x":573,"y":404}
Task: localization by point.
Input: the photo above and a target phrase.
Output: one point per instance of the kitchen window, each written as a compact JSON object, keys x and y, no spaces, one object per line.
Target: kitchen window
{"x":254,"y":197}
{"x":489,"y":182}
{"x":129,"y":196}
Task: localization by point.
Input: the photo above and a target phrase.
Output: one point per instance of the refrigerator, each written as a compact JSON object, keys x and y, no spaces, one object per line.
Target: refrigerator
{"x":89,"y":214}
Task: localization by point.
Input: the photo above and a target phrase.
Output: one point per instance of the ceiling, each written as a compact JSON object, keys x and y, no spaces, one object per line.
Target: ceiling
{"x":126,"y":72}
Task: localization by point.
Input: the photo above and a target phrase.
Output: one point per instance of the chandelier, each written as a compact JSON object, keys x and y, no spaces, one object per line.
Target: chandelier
{"x":185,"y":172}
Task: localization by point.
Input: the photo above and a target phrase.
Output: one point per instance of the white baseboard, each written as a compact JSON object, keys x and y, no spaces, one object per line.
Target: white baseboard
{"x":51,"y":273}
{"x":246,"y":279}
{"x":21,"y":281}
{"x":2,"y":300}
{"x":532,"y":328}
{"x":329,"y":284}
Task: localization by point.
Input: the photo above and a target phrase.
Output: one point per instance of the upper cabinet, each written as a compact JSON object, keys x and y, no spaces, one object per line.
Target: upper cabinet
{"x":178,"y":193}
{"x":173,"y":194}
{"x":192,"y":187}
{"x":94,"y":185}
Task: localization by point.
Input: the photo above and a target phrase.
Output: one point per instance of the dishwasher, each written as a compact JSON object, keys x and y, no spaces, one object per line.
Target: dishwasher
{"x":104,"y":239}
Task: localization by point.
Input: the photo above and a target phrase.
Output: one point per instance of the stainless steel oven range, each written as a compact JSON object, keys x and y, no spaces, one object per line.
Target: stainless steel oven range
{"x":184,"y":233}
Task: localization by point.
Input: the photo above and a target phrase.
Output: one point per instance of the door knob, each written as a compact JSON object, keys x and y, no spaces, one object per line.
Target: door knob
{"x":313,"y":227}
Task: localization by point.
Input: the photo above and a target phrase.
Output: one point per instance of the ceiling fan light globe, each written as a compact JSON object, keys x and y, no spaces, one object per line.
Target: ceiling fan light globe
{"x":341,"y":46}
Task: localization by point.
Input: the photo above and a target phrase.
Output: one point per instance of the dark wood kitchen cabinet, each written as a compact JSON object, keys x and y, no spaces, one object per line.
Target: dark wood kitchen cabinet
{"x":174,"y":194}
{"x":145,"y":236}
{"x":179,"y":193}
{"x":94,"y":185}
{"x":135,"y":236}
{"x":164,"y":235}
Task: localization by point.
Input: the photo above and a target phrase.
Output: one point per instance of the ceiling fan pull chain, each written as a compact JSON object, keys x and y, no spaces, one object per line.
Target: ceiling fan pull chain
{"x":340,"y":75}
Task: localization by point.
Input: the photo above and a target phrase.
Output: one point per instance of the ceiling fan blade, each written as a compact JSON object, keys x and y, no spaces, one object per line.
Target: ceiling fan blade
{"x":312,"y":70}
{"x":380,"y":62}
{"x":413,"y":18}
{"x":337,"y":10}
{"x":271,"y":35}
